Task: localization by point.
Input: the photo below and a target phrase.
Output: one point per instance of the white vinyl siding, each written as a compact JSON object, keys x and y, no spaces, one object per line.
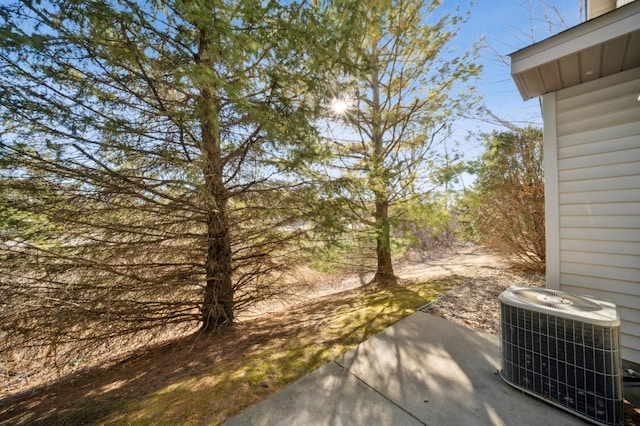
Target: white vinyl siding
{"x":597,"y":187}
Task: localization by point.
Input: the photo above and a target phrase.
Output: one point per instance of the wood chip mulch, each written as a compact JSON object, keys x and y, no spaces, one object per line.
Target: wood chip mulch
{"x":475,"y":302}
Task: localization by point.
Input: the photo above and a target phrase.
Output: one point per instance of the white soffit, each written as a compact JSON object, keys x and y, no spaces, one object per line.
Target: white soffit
{"x":602,"y":46}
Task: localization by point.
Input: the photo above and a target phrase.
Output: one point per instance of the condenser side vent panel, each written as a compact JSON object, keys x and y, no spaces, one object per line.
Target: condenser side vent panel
{"x":564,"y":349}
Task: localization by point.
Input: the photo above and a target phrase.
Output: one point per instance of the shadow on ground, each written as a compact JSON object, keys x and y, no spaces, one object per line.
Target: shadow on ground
{"x":197,"y":377}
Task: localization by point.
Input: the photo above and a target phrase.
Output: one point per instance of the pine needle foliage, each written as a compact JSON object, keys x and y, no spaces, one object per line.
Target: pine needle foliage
{"x":146,"y":155}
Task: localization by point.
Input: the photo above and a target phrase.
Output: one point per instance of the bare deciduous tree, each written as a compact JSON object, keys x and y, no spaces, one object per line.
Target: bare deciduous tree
{"x":509,"y":200}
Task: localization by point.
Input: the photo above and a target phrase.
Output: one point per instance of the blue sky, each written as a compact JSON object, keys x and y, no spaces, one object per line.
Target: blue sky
{"x":506,"y":26}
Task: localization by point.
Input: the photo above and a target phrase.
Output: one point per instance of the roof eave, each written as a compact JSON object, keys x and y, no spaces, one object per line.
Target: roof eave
{"x":531,"y":64}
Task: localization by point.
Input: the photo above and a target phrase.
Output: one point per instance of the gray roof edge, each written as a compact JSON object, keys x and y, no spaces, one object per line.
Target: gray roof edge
{"x":602,"y":21}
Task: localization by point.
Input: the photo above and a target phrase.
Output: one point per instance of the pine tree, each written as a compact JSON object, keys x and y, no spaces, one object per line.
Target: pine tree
{"x":408,"y":90}
{"x":148,"y":144}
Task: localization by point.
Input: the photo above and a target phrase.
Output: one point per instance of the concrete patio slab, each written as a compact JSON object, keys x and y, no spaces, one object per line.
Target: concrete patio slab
{"x":424,"y":370}
{"x":328,"y":396}
{"x":446,"y":374}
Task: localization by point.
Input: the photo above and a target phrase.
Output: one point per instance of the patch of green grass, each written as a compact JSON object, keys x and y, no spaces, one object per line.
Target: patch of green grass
{"x":329,"y":328}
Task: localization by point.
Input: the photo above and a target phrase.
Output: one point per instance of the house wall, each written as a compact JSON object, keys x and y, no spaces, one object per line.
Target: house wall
{"x":592,"y":179}
{"x":596,"y":8}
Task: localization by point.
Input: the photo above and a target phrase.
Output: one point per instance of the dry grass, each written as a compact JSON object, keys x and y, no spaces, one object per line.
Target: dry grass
{"x":204,"y":379}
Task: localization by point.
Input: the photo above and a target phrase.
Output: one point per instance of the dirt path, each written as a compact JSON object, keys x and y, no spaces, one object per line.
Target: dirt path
{"x":469,"y":261}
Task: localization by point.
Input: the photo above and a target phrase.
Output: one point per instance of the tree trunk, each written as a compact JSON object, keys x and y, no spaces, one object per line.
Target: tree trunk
{"x":384,"y":274}
{"x":217,"y":307}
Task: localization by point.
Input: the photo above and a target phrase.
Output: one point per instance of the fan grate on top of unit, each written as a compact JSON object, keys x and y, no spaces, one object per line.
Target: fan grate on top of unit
{"x":564,"y":349}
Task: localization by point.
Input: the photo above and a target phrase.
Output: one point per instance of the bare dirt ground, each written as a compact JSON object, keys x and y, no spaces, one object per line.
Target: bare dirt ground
{"x":466,"y":261}
{"x":474,"y":303}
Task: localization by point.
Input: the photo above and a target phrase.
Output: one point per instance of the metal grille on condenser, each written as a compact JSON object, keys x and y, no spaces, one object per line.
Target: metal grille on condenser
{"x":568,"y":362}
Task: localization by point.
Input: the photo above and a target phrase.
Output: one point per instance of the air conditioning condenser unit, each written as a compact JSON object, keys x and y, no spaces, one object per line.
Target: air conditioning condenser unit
{"x":564,"y":349}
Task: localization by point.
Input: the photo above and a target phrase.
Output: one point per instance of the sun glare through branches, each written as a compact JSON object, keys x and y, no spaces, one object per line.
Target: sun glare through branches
{"x":339,"y":106}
